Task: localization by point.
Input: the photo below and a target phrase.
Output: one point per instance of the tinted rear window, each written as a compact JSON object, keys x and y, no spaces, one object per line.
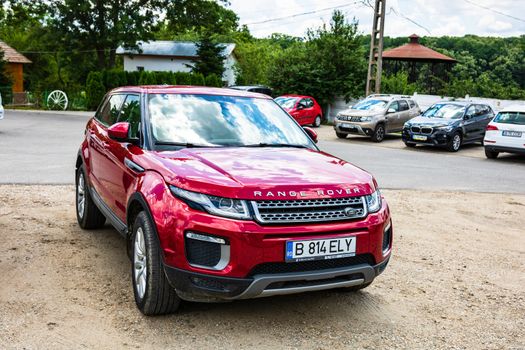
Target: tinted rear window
{"x":510,"y":118}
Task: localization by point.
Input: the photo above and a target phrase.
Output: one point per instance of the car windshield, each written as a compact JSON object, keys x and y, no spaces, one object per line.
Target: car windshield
{"x":286,"y":102}
{"x":510,"y":118}
{"x":370,"y":105}
{"x":218,"y":121}
{"x":445,"y":111}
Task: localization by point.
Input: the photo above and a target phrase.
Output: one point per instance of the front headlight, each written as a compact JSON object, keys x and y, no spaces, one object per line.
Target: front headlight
{"x":365,"y":119}
{"x":373,"y":202}
{"x":446,"y":128}
{"x":220,"y":206}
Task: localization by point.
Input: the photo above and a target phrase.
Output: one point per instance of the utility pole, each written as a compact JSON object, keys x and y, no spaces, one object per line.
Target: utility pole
{"x":375,"y":64}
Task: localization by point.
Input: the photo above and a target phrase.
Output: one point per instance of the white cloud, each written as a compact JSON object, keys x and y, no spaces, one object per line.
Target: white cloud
{"x":441,"y":17}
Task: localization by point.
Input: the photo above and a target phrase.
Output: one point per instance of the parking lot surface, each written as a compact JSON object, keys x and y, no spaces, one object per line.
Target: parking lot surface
{"x":41,"y":147}
{"x":455,"y":281}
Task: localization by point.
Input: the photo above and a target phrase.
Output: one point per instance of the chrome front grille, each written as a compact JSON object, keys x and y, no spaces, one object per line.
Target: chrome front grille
{"x":349,"y":118}
{"x":309,"y":210}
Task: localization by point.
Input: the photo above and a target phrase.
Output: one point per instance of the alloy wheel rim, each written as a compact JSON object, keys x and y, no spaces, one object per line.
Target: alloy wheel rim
{"x":380,"y":133}
{"x":317,"y":121}
{"x":81,"y":196}
{"x":456,"y":142}
{"x":139,"y":263}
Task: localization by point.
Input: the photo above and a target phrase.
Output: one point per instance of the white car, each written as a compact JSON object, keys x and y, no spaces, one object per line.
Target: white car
{"x":506,"y":132}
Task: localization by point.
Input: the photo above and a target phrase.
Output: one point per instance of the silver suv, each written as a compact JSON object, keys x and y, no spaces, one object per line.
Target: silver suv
{"x":375,"y":116}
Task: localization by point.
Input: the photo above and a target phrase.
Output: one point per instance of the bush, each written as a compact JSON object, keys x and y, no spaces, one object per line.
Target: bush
{"x":197,"y":79}
{"x":213,"y":80}
{"x":183,"y":78}
{"x":132,"y":78}
{"x":95,"y":89}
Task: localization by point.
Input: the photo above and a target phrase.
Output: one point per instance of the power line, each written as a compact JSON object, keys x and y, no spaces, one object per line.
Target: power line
{"x":495,"y":11}
{"x":301,"y":14}
{"x":409,"y":19}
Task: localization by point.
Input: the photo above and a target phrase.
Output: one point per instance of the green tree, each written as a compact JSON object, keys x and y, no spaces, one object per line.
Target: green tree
{"x":330,"y":63}
{"x":95,"y":90}
{"x":210,"y":57}
{"x":101,"y":26}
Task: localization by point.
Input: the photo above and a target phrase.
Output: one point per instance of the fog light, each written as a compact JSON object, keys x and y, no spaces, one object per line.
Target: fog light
{"x":207,"y":252}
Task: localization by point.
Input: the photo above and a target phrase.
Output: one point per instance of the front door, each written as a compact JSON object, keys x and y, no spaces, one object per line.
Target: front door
{"x":121,"y":177}
{"x":392,"y":116}
{"x":470,"y":123}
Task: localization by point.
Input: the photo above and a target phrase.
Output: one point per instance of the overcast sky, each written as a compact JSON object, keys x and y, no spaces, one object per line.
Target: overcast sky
{"x":439,"y":17}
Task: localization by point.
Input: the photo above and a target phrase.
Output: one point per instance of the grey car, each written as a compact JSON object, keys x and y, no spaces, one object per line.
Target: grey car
{"x":376,"y":116}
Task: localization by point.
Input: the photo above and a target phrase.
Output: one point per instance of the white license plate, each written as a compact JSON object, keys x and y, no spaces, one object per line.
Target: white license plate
{"x":419,"y":137}
{"x":319,"y":249}
{"x":511,"y":133}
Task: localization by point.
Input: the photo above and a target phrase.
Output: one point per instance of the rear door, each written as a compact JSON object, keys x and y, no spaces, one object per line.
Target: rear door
{"x":119,"y":154}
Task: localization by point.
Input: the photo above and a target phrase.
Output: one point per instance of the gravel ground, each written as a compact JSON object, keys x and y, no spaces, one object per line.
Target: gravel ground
{"x":456,"y":280}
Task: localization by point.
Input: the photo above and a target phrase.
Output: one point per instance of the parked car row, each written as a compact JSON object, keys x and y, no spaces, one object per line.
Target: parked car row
{"x":448,"y":124}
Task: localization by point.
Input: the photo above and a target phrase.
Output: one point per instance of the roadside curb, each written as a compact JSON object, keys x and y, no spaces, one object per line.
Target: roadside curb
{"x":39,"y":111}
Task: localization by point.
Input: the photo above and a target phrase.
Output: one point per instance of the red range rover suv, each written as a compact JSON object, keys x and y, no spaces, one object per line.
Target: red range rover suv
{"x":221,"y":195}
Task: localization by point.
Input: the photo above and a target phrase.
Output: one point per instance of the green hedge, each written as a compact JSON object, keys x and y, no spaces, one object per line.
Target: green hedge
{"x":98,"y":83}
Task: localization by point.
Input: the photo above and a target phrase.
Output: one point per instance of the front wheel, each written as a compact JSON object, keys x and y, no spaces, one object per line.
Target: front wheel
{"x":454,"y":143}
{"x":153,"y":293}
{"x":379,"y":133}
{"x":317,"y":122}
{"x":491,"y":154}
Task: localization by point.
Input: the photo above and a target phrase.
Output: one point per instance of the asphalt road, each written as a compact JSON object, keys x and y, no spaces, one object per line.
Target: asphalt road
{"x":40,"y":148}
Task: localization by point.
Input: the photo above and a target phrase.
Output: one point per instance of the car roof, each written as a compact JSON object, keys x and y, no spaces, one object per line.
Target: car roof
{"x":514,"y":108}
{"x":247,"y":87}
{"x":188,"y":90}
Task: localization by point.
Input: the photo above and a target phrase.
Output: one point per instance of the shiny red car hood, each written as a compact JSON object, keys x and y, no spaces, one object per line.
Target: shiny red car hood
{"x":262,"y":173}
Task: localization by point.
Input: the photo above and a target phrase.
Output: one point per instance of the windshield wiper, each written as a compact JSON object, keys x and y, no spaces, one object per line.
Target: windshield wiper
{"x":181,"y":144}
{"x":263,"y":144}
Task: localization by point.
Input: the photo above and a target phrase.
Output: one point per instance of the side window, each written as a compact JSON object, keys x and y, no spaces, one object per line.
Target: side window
{"x":130,"y":113}
{"x":411,"y":103}
{"x":304,"y":103}
{"x":403,"y":105}
{"x":395,"y":106}
{"x":471,"y":112}
{"x":310,"y":102}
{"x":109,"y":112}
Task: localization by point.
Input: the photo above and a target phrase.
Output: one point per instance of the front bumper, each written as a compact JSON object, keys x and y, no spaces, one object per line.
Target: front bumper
{"x":200,"y":287}
{"x":437,"y":138}
{"x":364,"y":129}
{"x":252,"y":245}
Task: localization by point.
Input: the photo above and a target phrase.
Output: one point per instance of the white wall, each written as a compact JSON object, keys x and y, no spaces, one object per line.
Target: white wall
{"x":166,"y":64}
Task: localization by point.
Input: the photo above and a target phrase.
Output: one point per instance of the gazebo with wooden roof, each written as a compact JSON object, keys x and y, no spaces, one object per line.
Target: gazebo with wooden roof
{"x":15,"y":66}
{"x":413,"y":53}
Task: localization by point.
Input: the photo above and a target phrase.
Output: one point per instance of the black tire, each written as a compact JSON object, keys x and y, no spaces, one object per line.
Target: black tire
{"x":157,"y":297}
{"x":317,"y":122}
{"x":410,"y":145}
{"x":88,"y":215}
{"x":341,"y":135}
{"x":355,"y":288}
{"x":491,"y":154}
{"x":379,"y":133}
{"x":453,"y":144}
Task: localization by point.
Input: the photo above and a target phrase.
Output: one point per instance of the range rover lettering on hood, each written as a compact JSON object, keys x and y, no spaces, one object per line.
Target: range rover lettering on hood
{"x":354,"y":190}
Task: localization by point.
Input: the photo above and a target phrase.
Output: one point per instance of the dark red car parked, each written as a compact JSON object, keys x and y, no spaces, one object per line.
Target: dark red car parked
{"x":221,"y":196}
{"x":304,"y":109}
